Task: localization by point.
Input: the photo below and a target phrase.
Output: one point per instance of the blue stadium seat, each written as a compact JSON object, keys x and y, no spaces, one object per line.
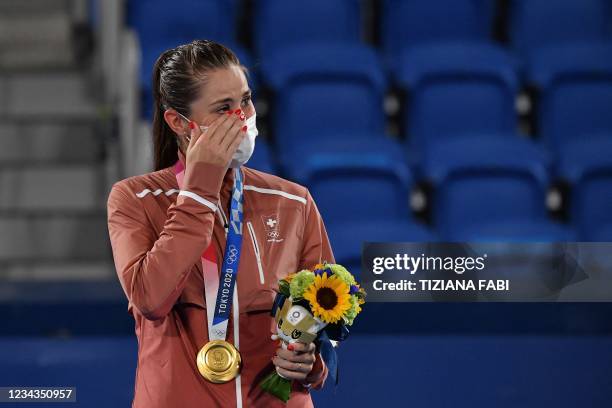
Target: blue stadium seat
{"x":602,"y":234}
{"x":262,"y":157}
{"x":185,"y":20}
{"x":324,"y":92}
{"x":413,"y":22}
{"x":361,"y":180}
{"x":534,"y":230}
{"x":588,"y":169}
{"x":575,"y":92}
{"x":281,"y":24}
{"x":457,"y":89}
{"x":539,"y":23}
{"x":483,"y":181}
{"x":348,"y":237}
{"x":160,"y":27}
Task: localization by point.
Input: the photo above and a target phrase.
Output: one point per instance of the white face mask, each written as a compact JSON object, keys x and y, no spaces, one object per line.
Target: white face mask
{"x":247,"y":146}
{"x":245,"y":150}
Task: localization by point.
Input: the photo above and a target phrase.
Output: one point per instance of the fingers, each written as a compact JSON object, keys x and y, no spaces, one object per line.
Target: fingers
{"x":307,"y":358}
{"x":233,"y":132}
{"x":235,"y":140}
{"x":291,"y":375}
{"x":297,"y":363}
{"x":194,"y":134}
{"x":219,"y":141}
{"x":303,"y":347}
{"x":306,"y":355}
{"x":217,"y":129}
{"x":292,"y":366}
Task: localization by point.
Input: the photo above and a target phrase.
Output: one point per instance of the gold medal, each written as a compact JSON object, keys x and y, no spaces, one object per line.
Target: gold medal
{"x":219,"y":361}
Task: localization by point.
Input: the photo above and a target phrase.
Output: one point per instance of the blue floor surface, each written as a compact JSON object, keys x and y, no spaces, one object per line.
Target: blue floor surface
{"x":397,"y":371}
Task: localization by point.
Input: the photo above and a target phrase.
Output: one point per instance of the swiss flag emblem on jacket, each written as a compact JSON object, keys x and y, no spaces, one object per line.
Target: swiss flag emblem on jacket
{"x":272,"y":226}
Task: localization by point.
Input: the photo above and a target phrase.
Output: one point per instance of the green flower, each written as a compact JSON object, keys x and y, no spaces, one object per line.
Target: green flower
{"x":353,"y":311}
{"x":299,"y":283}
{"x":344,"y":275}
{"x":283,"y":287}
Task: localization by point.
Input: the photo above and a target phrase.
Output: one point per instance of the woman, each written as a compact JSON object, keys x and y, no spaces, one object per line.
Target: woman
{"x":172,"y":230}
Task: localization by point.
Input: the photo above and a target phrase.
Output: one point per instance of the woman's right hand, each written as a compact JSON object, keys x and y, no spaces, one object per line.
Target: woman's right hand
{"x":217,"y":144}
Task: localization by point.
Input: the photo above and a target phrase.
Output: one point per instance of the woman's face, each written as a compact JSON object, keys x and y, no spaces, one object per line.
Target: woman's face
{"x":225,"y":89}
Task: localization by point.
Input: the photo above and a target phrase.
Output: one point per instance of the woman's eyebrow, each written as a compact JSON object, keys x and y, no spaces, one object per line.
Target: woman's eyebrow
{"x":224,"y":100}
{"x":229,"y":99}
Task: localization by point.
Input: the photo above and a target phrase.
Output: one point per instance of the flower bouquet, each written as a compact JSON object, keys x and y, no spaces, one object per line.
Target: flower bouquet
{"x":311,"y":306}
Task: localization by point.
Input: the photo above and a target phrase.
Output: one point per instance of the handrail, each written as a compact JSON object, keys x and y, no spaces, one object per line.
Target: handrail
{"x":129,"y":103}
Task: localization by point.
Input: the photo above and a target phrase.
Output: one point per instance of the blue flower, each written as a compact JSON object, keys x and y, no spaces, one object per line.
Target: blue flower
{"x":354,"y":289}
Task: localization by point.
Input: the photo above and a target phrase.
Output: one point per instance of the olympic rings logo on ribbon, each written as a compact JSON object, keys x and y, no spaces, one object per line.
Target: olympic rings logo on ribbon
{"x":232,"y":254}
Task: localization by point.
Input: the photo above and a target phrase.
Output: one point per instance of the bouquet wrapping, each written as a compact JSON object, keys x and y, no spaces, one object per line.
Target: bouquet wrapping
{"x":313,"y":305}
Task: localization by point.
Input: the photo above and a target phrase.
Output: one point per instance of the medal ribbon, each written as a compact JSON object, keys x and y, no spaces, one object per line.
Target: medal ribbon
{"x":217,"y":321}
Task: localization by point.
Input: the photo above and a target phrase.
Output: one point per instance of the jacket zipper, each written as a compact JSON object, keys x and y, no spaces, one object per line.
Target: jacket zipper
{"x":223,"y":218}
{"x":256,"y":249}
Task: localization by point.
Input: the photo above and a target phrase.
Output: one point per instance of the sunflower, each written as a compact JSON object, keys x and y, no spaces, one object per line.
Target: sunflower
{"x":328,"y":297}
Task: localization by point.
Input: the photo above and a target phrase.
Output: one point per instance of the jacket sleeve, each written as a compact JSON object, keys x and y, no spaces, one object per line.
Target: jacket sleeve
{"x":317,"y":376}
{"x":315,"y":243}
{"x":316,"y":249}
{"x":153,"y":269}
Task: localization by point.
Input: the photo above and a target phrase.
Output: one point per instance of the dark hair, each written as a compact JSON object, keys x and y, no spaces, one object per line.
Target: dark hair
{"x":177,"y":76}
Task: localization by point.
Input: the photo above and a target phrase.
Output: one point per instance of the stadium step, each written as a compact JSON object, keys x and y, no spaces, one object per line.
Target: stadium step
{"x":36,"y":7}
{"x":53,"y":94}
{"x":59,"y":271}
{"x":30,"y":40}
{"x":28,"y":242}
{"x":51,"y":188}
{"x":53,"y":161}
{"x":44,"y":142}
{"x":36,"y":57}
{"x":17,"y":31}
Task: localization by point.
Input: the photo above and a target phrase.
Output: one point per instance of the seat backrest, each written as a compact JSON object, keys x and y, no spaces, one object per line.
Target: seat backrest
{"x":262,"y":158}
{"x":573,"y":110}
{"x":481,"y":196}
{"x":280,"y":24}
{"x":348,"y":238}
{"x":156,"y":21}
{"x":586,"y":166}
{"x":575,"y":92}
{"x":591,"y":201}
{"x":353,"y":195}
{"x":366,"y":180}
{"x":325,"y":90}
{"x":538,"y":23}
{"x":481,"y":181}
{"x":412,"y":22}
{"x":457,"y":89}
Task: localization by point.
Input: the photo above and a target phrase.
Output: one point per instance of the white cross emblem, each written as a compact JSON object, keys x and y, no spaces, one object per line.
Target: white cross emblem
{"x":271,"y":222}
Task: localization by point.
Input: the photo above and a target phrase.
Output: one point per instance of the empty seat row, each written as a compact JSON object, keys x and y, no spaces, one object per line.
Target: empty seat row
{"x":482,"y":188}
{"x":278,"y":26}
{"x":452,"y":90}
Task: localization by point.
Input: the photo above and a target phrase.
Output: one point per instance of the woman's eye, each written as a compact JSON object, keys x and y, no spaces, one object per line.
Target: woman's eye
{"x":246,"y":101}
{"x":223,"y":109}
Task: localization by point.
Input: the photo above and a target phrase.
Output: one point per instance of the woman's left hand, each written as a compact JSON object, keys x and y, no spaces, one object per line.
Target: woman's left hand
{"x":296,"y":362}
